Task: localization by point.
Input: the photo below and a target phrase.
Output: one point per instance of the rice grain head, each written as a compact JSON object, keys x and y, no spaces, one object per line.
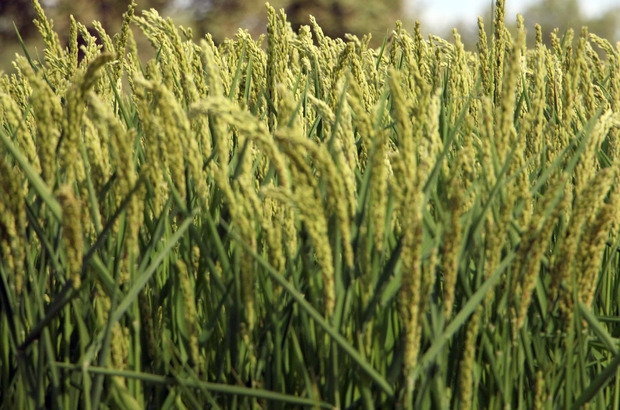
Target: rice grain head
{"x":72,"y":233}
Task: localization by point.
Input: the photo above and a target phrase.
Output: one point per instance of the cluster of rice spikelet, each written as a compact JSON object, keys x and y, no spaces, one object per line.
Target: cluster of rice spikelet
{"x":309,"y":216}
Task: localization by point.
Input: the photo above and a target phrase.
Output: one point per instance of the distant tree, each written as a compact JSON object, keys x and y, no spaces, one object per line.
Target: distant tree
{"x":565,"y":14}
{"x":222,"y":18}
{"x":18,"y":12}
{"x":108,"y":12}
{"x":550,"y":14}
{"x":348,"y":16}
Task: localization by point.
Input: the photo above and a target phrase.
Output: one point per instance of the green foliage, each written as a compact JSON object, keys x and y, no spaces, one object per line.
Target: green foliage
{"x":320,"y":224}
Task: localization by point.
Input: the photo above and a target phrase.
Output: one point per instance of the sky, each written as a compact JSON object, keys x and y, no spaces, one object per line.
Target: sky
{"x":441,"y":14}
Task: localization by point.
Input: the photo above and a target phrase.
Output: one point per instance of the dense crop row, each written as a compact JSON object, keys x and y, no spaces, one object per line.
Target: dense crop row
{"x":301,"y":221}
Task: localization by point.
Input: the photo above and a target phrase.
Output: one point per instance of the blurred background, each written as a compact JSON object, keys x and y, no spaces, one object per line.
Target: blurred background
{"x":222,"y":18}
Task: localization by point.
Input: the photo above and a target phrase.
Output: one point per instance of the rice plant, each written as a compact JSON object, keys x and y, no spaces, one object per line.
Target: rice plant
{"x":297,"y":221}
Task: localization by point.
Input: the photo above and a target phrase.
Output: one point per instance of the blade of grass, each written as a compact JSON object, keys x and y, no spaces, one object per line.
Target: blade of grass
{"x":35,"y":180}
{"x":301,"y":300}
{"x":461,"y":318}
{"x":212,"y":387}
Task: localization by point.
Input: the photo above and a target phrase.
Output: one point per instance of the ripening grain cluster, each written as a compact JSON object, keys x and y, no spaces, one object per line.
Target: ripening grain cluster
{"x":296,"y":221}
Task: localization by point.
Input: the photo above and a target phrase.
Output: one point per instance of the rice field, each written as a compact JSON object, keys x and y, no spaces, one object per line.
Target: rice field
{"x":295,"y":221}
